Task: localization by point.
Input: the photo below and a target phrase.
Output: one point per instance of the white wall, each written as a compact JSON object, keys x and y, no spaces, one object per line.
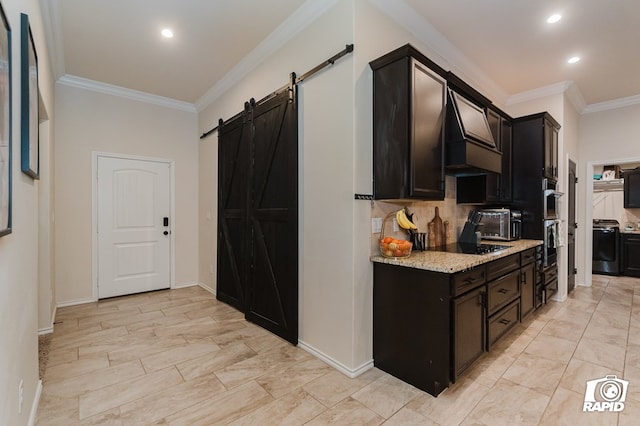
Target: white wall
{"x":89,"y":121}
{"x":19,"y":258}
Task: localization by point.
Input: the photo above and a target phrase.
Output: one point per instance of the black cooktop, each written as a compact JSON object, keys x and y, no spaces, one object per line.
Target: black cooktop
{"x":470,"y":248}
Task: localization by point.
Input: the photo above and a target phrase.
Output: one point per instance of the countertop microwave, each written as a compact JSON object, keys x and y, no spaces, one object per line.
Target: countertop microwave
{"x":500,"y":224}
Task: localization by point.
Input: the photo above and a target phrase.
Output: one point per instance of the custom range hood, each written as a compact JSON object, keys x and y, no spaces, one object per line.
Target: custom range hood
{"x":469,"y":145}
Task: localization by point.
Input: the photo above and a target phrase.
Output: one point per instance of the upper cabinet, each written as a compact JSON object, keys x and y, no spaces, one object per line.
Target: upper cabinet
{"x":491,"y":188}
{"x":409,"y":94}
{"x":537,"y":136}
{"x":551,"y":149}
{"x":632,"y":189}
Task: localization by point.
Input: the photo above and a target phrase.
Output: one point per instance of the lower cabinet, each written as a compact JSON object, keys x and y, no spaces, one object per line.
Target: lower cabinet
{"x":631,"y":255}
{"x":430,"y":327}
{"x":469,"y":336}
{"x":527,"y":290}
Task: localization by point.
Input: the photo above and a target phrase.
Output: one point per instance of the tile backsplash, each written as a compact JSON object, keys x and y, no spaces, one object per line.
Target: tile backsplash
{"x":423,"y":212}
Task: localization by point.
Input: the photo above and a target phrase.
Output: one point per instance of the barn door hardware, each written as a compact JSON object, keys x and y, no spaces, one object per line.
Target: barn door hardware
{"x":293,"y":81}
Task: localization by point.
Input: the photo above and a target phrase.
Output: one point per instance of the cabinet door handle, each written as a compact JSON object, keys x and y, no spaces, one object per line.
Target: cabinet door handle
{"x":504,"y":321}
{"x":470,"y":280}
{"x":503,"y":291}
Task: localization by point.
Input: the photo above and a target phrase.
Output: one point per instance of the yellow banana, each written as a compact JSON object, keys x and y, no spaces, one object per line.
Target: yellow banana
{"x":404,"y":221}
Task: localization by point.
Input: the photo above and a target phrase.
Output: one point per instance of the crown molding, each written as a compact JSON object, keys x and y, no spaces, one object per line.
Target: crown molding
{"x":53,"y":31}
{"x":424,"y":31}
{"x":614,"y":104}
{"x":540,"y":92}
{"x":110,"y":89}
{"x":300,"y":19}
{"x":567,"y":87}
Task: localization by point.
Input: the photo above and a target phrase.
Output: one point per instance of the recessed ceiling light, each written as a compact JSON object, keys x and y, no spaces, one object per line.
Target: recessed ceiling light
{"x":167,"y":33}
{"x":573,"y":59}
{"x":554,"y":18}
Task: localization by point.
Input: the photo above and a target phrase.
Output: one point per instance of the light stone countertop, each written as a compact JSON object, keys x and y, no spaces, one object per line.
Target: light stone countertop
{"x":629,"y":231}
{"x":440,"y":261}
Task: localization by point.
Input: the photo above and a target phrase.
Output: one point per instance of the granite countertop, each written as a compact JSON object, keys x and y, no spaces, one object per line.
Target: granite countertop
{"x":623,"y":230}
{"x":439,"y":261}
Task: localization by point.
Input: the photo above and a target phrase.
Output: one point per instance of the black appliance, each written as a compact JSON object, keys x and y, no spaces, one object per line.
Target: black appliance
{"x":469,"y":248}
{"x":549,"y":199}
{"x":606,"y":247}
{"x":469,"y":145}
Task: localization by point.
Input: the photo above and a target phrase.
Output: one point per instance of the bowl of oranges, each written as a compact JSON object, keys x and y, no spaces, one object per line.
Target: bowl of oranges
{"x":391,"y":247}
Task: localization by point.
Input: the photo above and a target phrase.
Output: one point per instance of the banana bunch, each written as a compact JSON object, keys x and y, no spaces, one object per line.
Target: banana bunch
{"x":403,"y":220}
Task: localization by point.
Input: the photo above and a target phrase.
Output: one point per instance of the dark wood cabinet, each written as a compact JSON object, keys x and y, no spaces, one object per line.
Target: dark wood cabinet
{"x":631,"y":255}
{"x":469,"y":336}
{"x":534,"y":138}
{"x":412,"y":325}
{"x":430,"y":327}
{"x":491,"y":188}
{"x":550,"y":150}
{"x":632,"y":189}
{"x":527,"y":289}
{"x":409,"y":94}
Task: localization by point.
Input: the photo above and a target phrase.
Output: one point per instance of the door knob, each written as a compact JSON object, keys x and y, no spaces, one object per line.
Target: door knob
{"x":166,"y":232}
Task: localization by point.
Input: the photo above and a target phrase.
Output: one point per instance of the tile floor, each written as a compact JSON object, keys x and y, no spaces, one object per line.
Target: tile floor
{"x":181,"y":357}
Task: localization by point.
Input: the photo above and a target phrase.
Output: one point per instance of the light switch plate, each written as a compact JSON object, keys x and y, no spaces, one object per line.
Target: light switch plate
{"x":376,"y":225}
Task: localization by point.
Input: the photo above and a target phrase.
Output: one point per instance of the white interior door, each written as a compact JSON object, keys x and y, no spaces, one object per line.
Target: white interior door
{"x":134,"y":238}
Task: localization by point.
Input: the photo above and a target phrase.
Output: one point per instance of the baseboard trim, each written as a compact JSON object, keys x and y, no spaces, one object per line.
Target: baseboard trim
{"x":184,"y":285}
{"x":207,"y":288}
{"x":74,"y":302}
{"x":352,"y":373}
{"x":47,"y":330}
{"x":36,"y":403}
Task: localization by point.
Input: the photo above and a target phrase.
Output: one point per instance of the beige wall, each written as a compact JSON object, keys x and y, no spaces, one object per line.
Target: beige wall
{"x":326,"y":156}
{"x":606,"y":137}
{"x":89,"y":121}
{"x":20,"y":266}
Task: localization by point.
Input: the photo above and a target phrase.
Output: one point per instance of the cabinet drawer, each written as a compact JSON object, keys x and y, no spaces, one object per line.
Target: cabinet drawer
{"x":550,"y":274}
{"x":502,"y":322}
{"x":499,"y":267}
{"x":468,"y":280}
{"x":527,"y":256}
{"x":502,"y":291}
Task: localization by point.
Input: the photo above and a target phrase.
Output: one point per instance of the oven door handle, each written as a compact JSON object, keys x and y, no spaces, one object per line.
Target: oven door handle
{"x":553,"y":192}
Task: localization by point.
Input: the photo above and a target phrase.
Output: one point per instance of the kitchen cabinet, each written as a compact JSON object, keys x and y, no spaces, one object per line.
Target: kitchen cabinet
{"x":631,"y":255}
{"x":550,"y":149}
{"x":469,"y":336}
{"x":409,"y":93}
{"x":430,"y":327}
{"x":491,"y":188}
{"x":527,"y":283}
{"x":411,"y":325}
{"x":632,"y":189}
{"x":503,"y":296}
{"x":533,"y":160}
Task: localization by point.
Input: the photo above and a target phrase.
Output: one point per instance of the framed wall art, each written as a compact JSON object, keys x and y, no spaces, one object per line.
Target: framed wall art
{"x":5,"y":125}
{"x":29,"y":125}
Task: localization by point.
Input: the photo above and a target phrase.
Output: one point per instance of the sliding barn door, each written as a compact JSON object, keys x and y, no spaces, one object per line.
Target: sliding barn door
{"x":258,"y":214}
{"x":233,"y":200}
{"x":273,"y":217}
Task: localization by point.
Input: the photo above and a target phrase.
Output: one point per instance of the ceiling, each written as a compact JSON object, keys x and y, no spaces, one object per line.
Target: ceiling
{"x":119,"y":43}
